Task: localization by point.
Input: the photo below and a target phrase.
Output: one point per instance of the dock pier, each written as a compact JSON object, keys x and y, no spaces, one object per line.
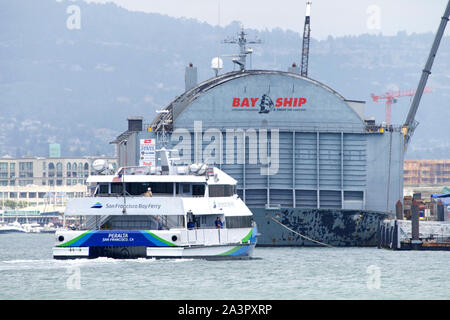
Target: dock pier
{"x":400,"y":234}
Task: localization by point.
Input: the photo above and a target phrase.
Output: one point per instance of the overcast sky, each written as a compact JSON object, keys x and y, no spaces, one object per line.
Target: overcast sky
{"x":328,"y":17}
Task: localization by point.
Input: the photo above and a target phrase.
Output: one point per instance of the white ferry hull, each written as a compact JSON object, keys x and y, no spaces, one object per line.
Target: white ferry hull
{"x":239,"y":251}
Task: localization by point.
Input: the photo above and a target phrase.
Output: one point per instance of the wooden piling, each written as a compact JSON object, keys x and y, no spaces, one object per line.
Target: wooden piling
{"x":440,"y":211}
{"x":415,"y":223}
{"x":399,"y":210}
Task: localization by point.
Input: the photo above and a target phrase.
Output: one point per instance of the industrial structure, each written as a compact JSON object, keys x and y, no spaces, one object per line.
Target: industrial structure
{"x":305,"y":158}
{"x":391,"y":97}
{"x":306,"y":40}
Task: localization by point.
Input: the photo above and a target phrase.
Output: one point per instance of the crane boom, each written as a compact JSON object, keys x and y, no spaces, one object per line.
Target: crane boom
{"x":306,"y":36}
{"x":410,"y":123}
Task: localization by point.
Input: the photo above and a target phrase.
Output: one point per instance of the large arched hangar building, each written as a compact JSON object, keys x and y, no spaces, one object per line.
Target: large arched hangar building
{"x":302,"y":153}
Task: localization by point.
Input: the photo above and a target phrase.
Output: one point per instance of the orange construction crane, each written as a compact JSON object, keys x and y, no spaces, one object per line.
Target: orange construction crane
{"x":390,"y":98}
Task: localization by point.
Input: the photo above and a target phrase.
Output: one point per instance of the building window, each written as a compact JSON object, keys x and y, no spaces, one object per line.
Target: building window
{"x":25,"y":169}
{"x":41,"y":195}
{"x":22,"y":195}
{"x":74,"y":166}
{"x":68,"y":167}
{"x":59,"y":182}
{"x":86,"y":166}
{"x":25,"y":166}
{"x":51,"y":182}
{"x":13,"y":195}
{"x":32,"y":195}
{"x":59,"y":170}
{"x":3,"y":182}
{"x":3,"y":166}
{"x":51,"y":166}
{"x":68,"y":182}
{"x":12,"y":182}
{"x":25,"y":182}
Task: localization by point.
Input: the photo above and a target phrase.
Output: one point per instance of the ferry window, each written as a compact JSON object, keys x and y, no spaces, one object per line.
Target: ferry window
{"x":161,"y":187}
{"x":116,"y":188}
{"x":103,"y":189}
{"x":182,"y":188}
{"x":239,"y":222}
{"x":135,"y":189}
{"x":222,"y":190}
{"x":198,"y":190}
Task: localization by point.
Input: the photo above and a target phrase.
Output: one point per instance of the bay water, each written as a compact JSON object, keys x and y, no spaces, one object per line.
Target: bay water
{"x":28,"y":271}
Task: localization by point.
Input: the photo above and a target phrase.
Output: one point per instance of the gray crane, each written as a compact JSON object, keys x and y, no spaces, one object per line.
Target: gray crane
{"x":306,"y":37}
{"x":410,"y":122}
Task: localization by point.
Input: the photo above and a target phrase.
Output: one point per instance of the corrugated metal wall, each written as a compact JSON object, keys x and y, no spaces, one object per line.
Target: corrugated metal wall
{"x":316,"y":170}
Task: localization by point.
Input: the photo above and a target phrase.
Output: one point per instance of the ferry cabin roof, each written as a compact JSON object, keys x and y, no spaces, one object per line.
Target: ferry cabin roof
{"x":219,"y":178}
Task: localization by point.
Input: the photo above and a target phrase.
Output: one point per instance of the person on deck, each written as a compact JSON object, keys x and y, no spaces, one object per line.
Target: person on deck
{"x":160,"y":225}
{"x":190,"y":225}
{"x":218,"y":223}
{"x":148,"y":193}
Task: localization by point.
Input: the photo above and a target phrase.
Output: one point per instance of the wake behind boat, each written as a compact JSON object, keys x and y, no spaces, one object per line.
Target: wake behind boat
{"x":169,"y":211}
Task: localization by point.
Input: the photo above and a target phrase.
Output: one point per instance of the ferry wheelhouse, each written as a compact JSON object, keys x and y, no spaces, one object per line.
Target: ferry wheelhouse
{"x":166,"y":211}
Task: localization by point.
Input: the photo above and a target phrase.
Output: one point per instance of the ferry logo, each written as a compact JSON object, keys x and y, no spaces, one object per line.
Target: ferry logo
{"x":266,"y":104}
{"x":98,"y":205}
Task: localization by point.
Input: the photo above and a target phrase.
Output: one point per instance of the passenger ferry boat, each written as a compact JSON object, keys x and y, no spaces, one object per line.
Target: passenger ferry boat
{"x":177,"y":219}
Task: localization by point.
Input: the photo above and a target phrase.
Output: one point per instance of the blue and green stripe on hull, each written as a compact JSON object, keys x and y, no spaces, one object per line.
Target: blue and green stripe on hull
{"x":96,"y":238}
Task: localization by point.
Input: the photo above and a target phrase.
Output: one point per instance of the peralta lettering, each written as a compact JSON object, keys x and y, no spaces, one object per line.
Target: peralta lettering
{"x":279,"y":102}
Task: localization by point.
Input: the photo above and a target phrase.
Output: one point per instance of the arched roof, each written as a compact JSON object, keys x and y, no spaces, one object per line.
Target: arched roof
{"x":182,"y":102}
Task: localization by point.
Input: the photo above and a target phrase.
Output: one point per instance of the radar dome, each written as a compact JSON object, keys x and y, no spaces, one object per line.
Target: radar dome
{"x":216,"y":63}
{"x":100,"y":165}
